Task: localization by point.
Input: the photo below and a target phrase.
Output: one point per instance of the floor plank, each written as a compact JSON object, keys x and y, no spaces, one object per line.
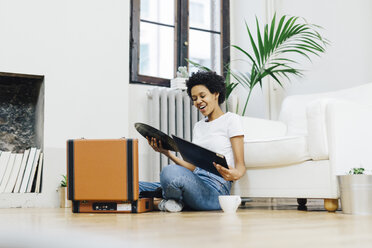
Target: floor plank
{"x":252,"y":226}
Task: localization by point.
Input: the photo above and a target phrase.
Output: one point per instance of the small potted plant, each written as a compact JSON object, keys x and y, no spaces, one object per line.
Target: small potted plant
{"x":356,"y":192}
{"x":179,"y":82}
{"x":62,"y":190}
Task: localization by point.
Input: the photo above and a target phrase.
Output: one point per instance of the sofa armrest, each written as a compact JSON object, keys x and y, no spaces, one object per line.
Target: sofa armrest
{"x":256,"y":128}
{"x":349,"y":128}
{"x":317,"y":128}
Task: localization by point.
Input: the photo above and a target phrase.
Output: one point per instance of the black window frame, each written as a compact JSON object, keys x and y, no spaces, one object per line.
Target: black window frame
{"x":181,"y":39}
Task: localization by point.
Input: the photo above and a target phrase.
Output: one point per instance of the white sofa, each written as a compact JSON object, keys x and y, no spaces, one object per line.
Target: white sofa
{"x":317,"y":137}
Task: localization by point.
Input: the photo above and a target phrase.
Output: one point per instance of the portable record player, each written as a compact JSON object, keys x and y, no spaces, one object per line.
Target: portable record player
{"x":103,"y":176}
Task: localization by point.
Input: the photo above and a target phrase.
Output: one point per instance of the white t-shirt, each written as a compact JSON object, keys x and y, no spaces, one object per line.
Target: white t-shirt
{"x":215,"y":135}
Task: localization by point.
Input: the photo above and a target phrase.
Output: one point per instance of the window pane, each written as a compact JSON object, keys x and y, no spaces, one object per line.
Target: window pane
{"x":205,"y":14}
{"x":205,"y":49}
{"x":156,"y":55}
{"x":161,"y":11}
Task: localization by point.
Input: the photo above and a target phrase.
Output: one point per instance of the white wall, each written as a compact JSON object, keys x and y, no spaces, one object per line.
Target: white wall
{"x":138,"y":112}
{"x":82,"y":48}
{"x":242,"y":11}
{"x":346,"y":62}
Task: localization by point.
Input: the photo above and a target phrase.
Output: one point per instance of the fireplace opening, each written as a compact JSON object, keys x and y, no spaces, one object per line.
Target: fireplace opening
{"x":21,"y":111}
{"x":21,"y":132}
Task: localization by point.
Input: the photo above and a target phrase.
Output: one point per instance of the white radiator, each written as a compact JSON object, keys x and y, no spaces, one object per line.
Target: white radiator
{"x":172,"y":112}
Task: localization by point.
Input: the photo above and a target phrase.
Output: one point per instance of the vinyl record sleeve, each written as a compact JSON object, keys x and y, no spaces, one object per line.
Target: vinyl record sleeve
{"x":199,"y":156}
{"x":192,"y":153}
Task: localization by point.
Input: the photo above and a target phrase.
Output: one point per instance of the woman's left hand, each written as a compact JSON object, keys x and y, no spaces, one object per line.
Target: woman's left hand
{"x":230,"y":174}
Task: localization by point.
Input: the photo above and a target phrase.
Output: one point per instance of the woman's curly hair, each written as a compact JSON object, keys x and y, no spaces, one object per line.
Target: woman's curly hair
{"x":215,"y":83}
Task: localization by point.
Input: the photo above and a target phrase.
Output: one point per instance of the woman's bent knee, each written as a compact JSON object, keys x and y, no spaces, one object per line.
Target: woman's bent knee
{"x":171,"y":171}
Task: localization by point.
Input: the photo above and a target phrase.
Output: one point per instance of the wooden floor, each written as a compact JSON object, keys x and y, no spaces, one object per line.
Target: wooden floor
{"x":253,"y":226}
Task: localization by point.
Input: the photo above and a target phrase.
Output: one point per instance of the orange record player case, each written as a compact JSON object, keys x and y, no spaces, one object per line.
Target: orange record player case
{"x":103,"y":176}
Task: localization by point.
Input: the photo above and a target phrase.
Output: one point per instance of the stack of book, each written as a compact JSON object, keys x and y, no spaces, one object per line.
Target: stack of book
{"x":21,"y":172}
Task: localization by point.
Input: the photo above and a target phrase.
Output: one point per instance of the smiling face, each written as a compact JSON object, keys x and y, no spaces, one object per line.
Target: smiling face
{"x":205,"y":101}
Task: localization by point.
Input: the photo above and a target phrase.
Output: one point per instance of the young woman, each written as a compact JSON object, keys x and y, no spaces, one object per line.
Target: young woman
{"x":184,"y":184}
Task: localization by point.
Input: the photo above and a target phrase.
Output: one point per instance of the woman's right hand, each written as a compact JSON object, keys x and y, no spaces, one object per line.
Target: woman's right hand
{"x":157,"y":146}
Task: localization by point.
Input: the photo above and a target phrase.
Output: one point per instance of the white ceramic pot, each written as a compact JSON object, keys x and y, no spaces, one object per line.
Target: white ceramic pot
{"x":64,"y":202}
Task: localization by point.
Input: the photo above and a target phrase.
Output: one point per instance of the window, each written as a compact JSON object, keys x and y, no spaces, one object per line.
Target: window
{"x":166,"y":32}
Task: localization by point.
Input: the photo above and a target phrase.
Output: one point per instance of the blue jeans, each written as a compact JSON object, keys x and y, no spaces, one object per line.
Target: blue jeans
{"x":198,"y":190}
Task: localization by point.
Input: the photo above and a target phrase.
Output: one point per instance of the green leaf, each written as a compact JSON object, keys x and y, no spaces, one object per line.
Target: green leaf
{"x":275,"y":78}
{"x":260,"y":43}
{"x":291,"y":36}
{"x":297,"y":51}
{"x":285,"y":32}
{"x":285,"y":59}
{"x":266,"y":42}
{"x":246,"y":53}
{"x":356,"y":171}
{"x":255,"y":50}
{"x":278,"y":31}
{"x":199,"y":66}
{"x":272,"y":29}
{"x":63,"y":182}
{"x":230,"y":89}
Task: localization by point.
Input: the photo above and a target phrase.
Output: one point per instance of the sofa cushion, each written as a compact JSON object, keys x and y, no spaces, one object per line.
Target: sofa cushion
{"x":275,"y":151}
{"x":256,"y":128}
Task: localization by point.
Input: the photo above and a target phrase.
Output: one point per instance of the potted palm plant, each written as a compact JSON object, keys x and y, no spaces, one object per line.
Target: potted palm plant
{"x":270,"y":53}
{"x":356,"y":192}
{"x":292,"y":35}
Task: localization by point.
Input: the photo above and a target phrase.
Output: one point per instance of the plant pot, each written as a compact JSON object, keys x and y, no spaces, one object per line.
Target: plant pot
{"x":356,"y":194}
{"x":63,"y":201}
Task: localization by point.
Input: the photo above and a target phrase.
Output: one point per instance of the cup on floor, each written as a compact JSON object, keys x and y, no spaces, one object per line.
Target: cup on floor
{"x":229,"y":203}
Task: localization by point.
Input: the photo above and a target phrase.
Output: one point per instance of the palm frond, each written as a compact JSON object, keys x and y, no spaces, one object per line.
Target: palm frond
{"x":199,"y":66}
{"x":260,"y":43}
{"x":254,"y":46}
{"x":292,"y":35}
{"x":230,"y":86}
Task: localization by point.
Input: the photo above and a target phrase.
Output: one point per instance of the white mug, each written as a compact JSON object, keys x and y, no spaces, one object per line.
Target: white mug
{"x":229,"y":203}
